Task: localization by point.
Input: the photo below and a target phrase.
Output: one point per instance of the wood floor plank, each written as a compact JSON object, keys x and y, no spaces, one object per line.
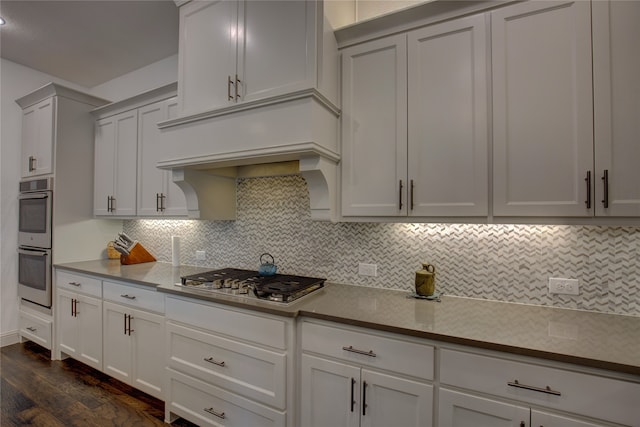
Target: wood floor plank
{"x":40,"y":392}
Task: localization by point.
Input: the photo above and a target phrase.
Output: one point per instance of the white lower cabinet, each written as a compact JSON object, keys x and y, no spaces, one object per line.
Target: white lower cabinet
{"x":466,"y":410}
{"x":226,"y":366}
{"x":348,"y":379}
{"x":133,"y":347}
{"x":495,"y":391}
{"x":35,"y":327}
{"x":80,"y":327}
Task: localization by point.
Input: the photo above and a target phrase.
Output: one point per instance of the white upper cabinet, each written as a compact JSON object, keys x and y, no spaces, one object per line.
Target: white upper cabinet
{"x":616,"y":67}
{"x":448,"y":139}
{"x":157,"y":194}
{"x":414,"y":126}
{"x":38,"y":138}
{"x":238,"y":51}
{"x":374,"y":129}
{"x":115,"y":165}
{"x":207,"y":54}
{"x":542,"y":109}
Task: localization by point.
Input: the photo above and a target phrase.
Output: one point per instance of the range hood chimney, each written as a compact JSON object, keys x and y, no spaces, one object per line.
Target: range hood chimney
{"x":206,"y":152}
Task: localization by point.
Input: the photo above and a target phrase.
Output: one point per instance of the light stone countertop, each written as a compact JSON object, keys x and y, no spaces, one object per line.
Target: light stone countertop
{"x":605,"y":341}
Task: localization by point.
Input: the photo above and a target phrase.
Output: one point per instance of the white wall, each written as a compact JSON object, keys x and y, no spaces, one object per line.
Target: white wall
{"x":150,"y":77}
{"x":15,"y":82}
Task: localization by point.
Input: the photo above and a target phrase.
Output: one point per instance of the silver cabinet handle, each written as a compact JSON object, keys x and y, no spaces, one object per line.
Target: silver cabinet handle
{"x":215,"y":362}
{"x":75,"y":284}
{"x":546,"y":390}
{"x":369,"y":353}
{"x":238,"y":81}
{"x":213,"y":412}
{"x":229,"y":83}
{"x":400,"y":200}
{"x":32,"y":329}
{"x":32,"y":161}
{"x":127,"y":296}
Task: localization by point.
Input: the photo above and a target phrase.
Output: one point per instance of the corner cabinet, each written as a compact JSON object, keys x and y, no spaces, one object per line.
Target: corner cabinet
{"x":352,"y":377}
{"x":430,"y":158}
{"x":127,"y":148}
{"x":241,"y":51}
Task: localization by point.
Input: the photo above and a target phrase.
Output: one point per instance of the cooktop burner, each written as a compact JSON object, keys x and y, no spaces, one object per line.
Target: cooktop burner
{"x":232,"y":281}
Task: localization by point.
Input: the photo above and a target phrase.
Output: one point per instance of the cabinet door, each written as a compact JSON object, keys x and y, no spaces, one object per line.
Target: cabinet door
{"x":115,"y":164}
{"x":147,"y":342}
{"x":207,"y":55}
{"x":542,"y":109}
{"x":67,"y":328}
{"x":330,"y":393}
{"x":157,"y":194}
{"x":448,"y":148}
{"x":38,"y":130}
{"x":616,"y":67}
{"x":276,"y":53}
{"x":374,"y":128}
{"x":465,"y":410}
{"x":117,"y":342}
{"x":89,"y":319}
{"x":394,"y":401}
{"x":543,"y":419}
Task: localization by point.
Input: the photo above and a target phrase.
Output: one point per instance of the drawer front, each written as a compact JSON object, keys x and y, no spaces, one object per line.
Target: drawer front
{"x":134,"y":296}
{"x":599,"y":397}
{"x":395,"y":355}
{"x":207,"y":405}
{"x":242,"y":325}
{"x":35,"y":329}
{"x":242,"y":368}
{"x":79,"y":283}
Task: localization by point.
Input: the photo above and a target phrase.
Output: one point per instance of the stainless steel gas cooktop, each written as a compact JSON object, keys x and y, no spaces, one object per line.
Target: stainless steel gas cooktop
{"x":280,"y":288}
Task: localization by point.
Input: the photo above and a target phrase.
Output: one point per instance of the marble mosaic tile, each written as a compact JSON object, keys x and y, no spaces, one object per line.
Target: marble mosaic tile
{"x":498,"y":262}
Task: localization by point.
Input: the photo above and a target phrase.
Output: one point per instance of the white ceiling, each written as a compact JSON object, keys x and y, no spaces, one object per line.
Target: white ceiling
{"x":88,"y":42}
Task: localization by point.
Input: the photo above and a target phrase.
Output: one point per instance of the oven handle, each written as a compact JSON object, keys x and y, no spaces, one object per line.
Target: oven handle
{"x":25,"y":251}
{"x":33,"y":196}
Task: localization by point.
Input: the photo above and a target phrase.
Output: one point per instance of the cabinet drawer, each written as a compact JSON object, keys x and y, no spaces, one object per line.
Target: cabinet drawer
{"x":395,"y":355}
{"x":35,"y":329}
{"x":245,"y":369}
{"x":599,"y":397}
{"x":242,"y":325}
{"x":79,"y":283}
{"x":208,"y":405}
{"x":135,"y":296}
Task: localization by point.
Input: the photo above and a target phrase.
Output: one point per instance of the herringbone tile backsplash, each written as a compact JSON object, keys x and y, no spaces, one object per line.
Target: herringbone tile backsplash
{"x":499,"y":262}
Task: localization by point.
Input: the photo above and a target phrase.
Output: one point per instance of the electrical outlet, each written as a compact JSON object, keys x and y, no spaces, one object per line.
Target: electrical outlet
{"x":201,"y":255}
{"x":367,"y":269}
{"x":564,"y":286}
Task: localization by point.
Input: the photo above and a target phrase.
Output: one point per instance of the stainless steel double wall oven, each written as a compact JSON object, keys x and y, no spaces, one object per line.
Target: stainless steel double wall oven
{"x":35,"y":212}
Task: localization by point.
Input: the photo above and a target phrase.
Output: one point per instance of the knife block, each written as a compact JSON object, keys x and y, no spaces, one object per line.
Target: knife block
{"x":137,"y":255}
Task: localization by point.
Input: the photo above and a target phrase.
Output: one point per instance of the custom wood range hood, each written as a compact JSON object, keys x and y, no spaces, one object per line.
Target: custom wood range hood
{"x":295,"y":133}
{"x":266,"y":94}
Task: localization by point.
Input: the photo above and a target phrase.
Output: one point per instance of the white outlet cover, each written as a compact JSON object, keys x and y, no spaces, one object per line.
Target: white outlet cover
{"x":558,"y":285}
{"x":201,"y":255}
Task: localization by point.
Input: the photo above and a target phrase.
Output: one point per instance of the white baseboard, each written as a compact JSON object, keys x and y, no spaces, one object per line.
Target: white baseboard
{"x":9,"y":338}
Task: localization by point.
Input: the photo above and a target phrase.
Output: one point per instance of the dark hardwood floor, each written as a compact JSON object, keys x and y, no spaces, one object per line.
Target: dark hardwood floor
{"x":38,"y":391}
